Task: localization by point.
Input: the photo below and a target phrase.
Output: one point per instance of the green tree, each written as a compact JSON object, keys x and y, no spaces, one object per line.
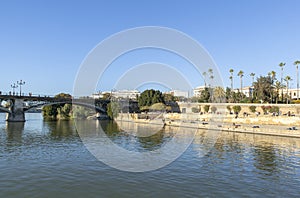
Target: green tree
{"x":63,"y":96}
{"x":205,"y":95}
{"x":252,"y":109}
{"x":64,"y":112}
{"x":158,"y":107}
{"x":206,"y":108}
{"x":263,"y":88}
{"x":274,"y":109}
{"x":219,"y":94}
{"x":50,"y":112}
{"x":229,"y":108}
{"x":236,"y":109}
{"x":113,"y":109}
{"x":106,"y":96}
{"x":229,"y":95}
{"x":277,"y":87}
{"x":168,"y":98}
{"x":273,"y":76}
{"x":150,"y":97}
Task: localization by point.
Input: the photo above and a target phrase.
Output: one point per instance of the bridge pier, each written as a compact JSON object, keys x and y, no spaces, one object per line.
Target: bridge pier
{"x":16,"y":113}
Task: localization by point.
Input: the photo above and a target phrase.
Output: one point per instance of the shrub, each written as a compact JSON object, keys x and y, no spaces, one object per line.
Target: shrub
{"x":266,"y":109}
{"x":213,"y":109}
{"x":206,"y":108}
{"x":274,"y":109}
{"x":296,"y":102}
{"x":252,"y":109}
{"x":236,"y":109}
{"x":229,"y":108}
{"x":158,"y":107}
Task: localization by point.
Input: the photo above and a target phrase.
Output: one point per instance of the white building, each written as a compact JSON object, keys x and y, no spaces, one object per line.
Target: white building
{"x":128,"y":94}
{"x":97,"y":95}
{"x":292,"y":93}
{"x":247,"y":91}
{"x":197,"y":91}
{"x":179,"y":93}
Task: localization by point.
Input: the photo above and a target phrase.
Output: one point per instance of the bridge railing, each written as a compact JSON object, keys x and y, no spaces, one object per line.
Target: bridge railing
{"x":25,"y":94}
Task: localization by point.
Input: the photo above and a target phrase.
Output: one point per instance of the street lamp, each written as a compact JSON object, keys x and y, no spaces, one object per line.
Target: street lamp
{"x":21,"y":83}
{"x":13,"y":87}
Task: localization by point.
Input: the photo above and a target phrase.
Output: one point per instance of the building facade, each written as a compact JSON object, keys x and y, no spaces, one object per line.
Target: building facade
{"x":179,"y":93}
{"x":197,"y":91}
{"x":126,"y":94}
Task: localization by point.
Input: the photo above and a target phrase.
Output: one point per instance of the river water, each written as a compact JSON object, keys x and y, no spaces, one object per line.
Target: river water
{"x":48,"y":159}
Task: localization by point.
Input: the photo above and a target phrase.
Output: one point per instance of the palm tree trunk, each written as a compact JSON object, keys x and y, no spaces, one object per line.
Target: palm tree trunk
{"x":297,"y":83}
{"x":241,"y":84}
{"x":281,"y":83}
{"x":287,"y":92}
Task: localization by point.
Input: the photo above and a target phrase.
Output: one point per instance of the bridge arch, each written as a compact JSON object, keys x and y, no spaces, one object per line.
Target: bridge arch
{"x":69,"y":102}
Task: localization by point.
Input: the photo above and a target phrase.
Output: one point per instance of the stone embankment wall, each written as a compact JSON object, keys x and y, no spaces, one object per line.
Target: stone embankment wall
{"x":284,"y":108}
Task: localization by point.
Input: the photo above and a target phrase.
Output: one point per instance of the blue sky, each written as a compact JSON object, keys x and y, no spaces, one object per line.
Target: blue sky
{"x":44,"y":42}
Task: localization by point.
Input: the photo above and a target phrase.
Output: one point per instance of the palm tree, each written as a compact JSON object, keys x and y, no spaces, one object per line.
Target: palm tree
{"x":281,"y":65}
{"x":277,"y":87}
{"x":219,"y":94}
{"x":252,"y":75}
{"x":272,"y":75}
{"x":287,"y":79}
{"x":231,"y":78}
{"x":297,"y":62}
{"x":211,"y":76}
{"x":241,"y":74}
{"x":204,"y":75}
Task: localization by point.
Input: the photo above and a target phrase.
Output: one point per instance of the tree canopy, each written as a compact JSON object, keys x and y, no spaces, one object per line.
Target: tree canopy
{"x":263,"y":88}
{"x":150,"y":97}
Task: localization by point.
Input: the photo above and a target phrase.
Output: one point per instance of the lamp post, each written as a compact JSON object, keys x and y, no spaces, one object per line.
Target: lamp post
{"x":21,"y":83}
{"x":13,"y":87}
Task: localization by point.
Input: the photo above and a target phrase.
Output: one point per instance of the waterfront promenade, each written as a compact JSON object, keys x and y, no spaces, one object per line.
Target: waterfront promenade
{"x":263,"y":124}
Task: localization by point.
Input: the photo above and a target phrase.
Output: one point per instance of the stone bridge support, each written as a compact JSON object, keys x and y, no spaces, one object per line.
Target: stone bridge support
{"x":16,"y":113}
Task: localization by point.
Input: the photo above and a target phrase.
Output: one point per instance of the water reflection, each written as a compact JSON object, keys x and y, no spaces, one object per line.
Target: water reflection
{"x":14,"y":131}
{"x":265,"y":154}
{"x":60,"y":129}
{"x":266,"y":158}
{"x":126,"y":134}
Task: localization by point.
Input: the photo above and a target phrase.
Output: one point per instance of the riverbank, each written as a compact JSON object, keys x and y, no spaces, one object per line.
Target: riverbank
{"x":264,"y":125}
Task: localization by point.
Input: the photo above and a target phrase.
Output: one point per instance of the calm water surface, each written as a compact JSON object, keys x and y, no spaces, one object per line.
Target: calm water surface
{"x":48,"y":159}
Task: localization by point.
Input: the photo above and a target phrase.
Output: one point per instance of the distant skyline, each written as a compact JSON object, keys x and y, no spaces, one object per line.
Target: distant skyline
{"x":44,"y":42}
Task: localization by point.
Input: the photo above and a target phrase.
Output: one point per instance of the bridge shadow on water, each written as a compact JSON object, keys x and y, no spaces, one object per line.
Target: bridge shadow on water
{"x":15,"y":131}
